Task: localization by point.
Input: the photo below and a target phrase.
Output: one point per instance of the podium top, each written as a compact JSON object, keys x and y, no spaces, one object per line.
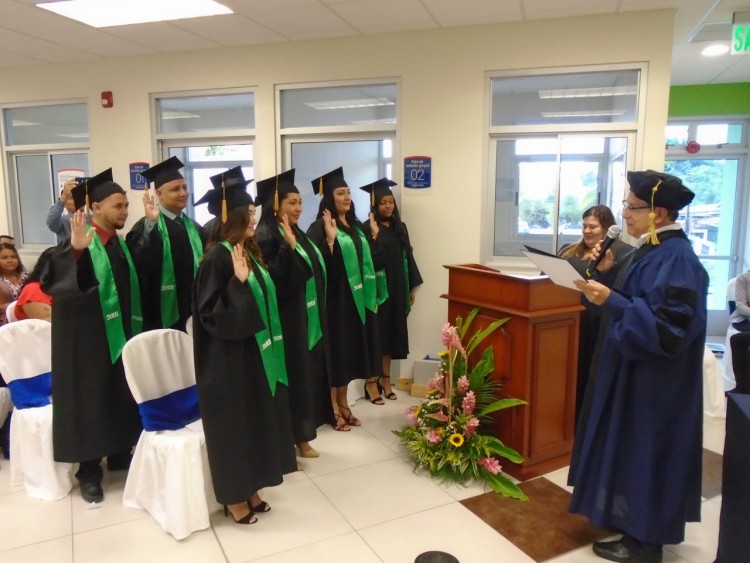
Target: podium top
{"x":482,"y":286}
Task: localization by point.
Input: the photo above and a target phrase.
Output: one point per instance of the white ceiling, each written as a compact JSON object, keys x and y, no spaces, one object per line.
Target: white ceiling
{"x":30,"y":35}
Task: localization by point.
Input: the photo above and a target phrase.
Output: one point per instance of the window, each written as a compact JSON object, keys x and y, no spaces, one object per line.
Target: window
{"x":558,"y":144}
{"x":324,"y":127}
{"x":209,"y":133}
{"x":714,"y":221}
{"x":43,"y":146}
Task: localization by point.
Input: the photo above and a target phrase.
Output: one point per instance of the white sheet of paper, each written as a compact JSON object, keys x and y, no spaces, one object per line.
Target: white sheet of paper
{"x":557,"y":269}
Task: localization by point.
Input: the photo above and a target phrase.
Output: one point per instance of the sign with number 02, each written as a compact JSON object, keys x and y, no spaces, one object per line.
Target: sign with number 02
{"x":417,"y":171}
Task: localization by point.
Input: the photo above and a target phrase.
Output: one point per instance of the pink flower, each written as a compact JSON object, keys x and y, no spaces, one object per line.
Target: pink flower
{"x":436,"y":383}
{"x":463,"y":384}
{"x":491,"y":465}
{"x":433,"y":436}
{"x":471,"y":426}
{"x":469,"y":402}
{"x":448,"y":334}
{"x":411,"y":416}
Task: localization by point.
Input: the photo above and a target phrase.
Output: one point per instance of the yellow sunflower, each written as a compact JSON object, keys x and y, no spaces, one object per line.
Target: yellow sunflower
{"x":456,"y":440}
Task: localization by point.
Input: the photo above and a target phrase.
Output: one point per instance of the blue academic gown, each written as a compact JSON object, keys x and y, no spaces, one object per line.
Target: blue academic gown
{"x":637,"y":457}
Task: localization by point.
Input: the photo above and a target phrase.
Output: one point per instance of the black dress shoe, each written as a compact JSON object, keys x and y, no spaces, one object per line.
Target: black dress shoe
{"x":620,"y":550}
{"x":91,"y":491}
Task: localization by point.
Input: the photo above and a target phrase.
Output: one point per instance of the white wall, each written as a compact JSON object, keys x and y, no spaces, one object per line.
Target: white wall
{"x":441,"y":110}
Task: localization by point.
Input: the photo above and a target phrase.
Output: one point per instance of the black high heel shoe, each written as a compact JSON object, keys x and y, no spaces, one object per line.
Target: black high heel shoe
{"x":249,"y":518}
{"x":390,"y":396}
{"x":263,"y":506}
{"x":378,"y":400}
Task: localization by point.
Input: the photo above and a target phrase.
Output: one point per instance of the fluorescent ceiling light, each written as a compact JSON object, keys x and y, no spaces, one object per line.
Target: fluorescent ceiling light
{"x":587,"y":92}
{"x":585,"y":113}
{"x":107,"y":13}
{"x":177,"y":114}
{"x":715,"y":50}
{"x":385,"y":121}
{"x":348,"y":104}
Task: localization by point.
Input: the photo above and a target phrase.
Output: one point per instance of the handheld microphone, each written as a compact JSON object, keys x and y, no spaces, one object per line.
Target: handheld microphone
{"x":613,"y":234}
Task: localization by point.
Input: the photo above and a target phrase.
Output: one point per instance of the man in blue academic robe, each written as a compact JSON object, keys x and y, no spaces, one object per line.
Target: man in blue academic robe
{"x":637,"y":457}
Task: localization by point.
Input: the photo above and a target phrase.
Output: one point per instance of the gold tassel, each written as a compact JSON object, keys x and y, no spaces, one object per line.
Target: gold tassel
{"x":223,"y":201}
{"x":652,"y":216}
{"x":320,"y":186}
{"x":276,"y":196}
{"x":372,"y":197}
{"x":86,"y":202}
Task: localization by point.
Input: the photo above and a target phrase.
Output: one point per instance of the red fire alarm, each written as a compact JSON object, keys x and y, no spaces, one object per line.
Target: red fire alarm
{"x":692,"y":147}
{"x":107,"y":100}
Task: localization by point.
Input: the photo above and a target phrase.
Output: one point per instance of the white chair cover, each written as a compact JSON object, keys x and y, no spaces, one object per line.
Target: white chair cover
{"x":169,"y":476}
{"x":714,"y":401}
{"x":6,"y":405}
{"x":728,"y":371}
{"x":10,"y":312}
{"x":189,"y":325}
{"x":25,"y":362}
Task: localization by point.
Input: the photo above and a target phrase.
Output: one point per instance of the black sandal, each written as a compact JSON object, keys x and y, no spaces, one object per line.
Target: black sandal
{"x":351,"y":420}
{"x":249,"y":518}
{"x":378,"y":400}
{"x":263,"y":506}
{"x":390,"y":396}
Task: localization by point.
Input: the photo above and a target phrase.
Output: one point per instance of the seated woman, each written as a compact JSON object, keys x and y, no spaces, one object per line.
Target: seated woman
{"x":596,"y":221}
{"x":740,"y":317}
{"x":32,"y":302}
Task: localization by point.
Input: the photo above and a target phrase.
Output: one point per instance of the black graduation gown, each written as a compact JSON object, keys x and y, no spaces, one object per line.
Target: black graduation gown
{"x":94,"y":412}
{"x":147,"y":254}
{"x":354,"y":347}
{"x":248,"y":431}
{"x":591,"y":318}
{"x":309,"y":390}
{"x":392,"y":313}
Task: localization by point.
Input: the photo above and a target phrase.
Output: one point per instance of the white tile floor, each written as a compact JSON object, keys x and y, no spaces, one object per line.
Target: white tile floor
{"x":359,"y":502}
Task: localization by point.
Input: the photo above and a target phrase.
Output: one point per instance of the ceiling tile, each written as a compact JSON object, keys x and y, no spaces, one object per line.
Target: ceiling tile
{"x":452,"y":13}
{"x":378,"y":16}
{"x":162,"y":37}
{"x":44,"y":51}
{"x":229,"y":30}
{"x":306,"y":22}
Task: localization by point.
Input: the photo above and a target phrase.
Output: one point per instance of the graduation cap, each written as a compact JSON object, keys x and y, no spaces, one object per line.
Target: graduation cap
{"x":275,"y":188}
{"x":329,"y":182}
{"x":379,"y":189}
{"x":229,"y":192}
{"x":95,"y":188}
{"x":662,"y":190}
{"x":164,"y":172}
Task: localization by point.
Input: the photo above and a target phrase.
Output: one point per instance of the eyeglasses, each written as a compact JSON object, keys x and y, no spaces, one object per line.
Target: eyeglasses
{"x":627,"y":207}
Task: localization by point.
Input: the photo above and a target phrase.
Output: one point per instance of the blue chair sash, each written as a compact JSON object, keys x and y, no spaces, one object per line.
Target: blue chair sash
{"x":31,"y":392}
{"x":172,"y":411}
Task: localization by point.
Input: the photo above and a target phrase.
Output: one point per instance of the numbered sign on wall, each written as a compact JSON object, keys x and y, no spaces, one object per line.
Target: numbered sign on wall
{"x":137,"y":179}
{"x":417,"y":171}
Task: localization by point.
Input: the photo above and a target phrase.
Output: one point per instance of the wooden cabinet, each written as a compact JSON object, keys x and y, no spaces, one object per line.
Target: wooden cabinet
{"x":536,"y":356}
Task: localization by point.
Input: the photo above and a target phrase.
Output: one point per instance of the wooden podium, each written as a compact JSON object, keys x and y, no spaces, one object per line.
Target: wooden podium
{"x":536,"y":359}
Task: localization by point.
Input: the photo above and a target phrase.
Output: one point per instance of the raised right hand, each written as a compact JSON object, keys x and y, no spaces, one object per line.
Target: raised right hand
{"x":241,"y":269}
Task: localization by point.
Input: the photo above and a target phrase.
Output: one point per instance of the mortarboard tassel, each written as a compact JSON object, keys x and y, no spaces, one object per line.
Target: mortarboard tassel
{"x":652,"y":216}
{"x":87,"y":205}
{"x":372,"y":197}
{"x":320,"y":186}
{"x":223,"y":201}
{"x":276,"y":195}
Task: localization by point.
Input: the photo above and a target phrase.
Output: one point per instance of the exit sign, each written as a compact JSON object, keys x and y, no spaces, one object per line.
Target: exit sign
{"x":741,"y":33}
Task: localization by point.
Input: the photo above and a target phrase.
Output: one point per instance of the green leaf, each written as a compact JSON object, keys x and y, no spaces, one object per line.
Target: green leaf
{"x":500,"y":404}
{"x":480,"y":336}
{"x":464,"y":326}
{"x":506,"y":487}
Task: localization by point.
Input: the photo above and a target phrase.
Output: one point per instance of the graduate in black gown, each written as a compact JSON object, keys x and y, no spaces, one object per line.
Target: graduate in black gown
{"x":167,"y":246}
{"x":94,"y":285}
{"x":351,"y":301}
{"x":240,"y":366}
{"x":396,"y":282}
{"x":299,"y":273}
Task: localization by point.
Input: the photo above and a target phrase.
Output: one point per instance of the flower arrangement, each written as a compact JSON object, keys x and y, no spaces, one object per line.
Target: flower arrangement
{"x":442,"y":435}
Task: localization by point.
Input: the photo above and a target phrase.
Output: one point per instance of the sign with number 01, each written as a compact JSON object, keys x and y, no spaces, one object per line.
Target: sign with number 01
{"x":417,"y":171}
{"x":137,"y":179}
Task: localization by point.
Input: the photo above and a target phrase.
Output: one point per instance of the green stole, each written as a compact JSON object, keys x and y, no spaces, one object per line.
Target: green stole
{"x":270,"y":340}
{"x":364,"y":292}
{"x":314,"y":329}
{"x":110,"y":300}
{"x":170,"y":313}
